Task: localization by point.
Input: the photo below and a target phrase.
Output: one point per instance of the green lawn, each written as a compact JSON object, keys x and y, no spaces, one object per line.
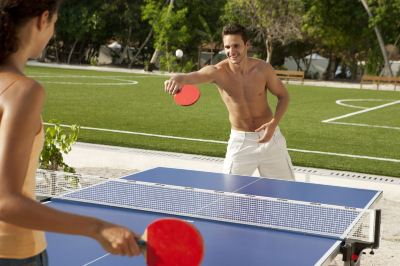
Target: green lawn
{"x":113,"y":101}
{"x":391,"y":114}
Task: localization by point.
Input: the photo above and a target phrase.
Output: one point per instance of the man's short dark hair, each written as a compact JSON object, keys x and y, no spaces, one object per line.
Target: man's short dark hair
{"x":235,"y":29}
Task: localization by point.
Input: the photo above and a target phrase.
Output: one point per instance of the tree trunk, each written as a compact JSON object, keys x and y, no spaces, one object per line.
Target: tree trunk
{"x":153,"y":59}
{"x":329,"y":73}
{"x":387,"y":69}
{"x":71,"y":52}
{"x":43,"y":55}
{"x":125,"y":51}
{"x":56,"y":51}
{"x":157,"y":51}
{"x":335,"y":66}
{"x":353,"y":68}
{"x":82,"y":53}
{"x":297,"y":61}
{"x":308,"y":62}
{"x":268,"y":44}
{"x":199,"y":57}
{"x":141,"y":48}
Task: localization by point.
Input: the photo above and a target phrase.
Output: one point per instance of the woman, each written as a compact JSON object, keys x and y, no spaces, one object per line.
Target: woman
{"x":25,"y":29}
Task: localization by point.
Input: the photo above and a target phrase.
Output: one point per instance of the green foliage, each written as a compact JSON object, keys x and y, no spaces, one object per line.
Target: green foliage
{"x":79,"y":20}
{"x":188,"y":66}
{"x":232,"y":12}
{"x":337,"y":28}
{"x":386,"y":14}
{"x":328,"y":23}
{"x":181,"y":24}
{"x":198,"y":12}
{"x":94,"y":23}
{"x":169,"y":25}
{"x":85,"y":25}
{"x":57,"y":142}
{"x":169,"y":63}
{"x":342,"y":29}
{"x":271,"y":22}
{"x":374,"y":64}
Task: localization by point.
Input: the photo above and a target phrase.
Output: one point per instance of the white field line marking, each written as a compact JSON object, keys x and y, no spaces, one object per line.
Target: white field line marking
{"x":124,"y":80}
{"x":361,"y":111}
{"x":348,"y":155}
{"x":84,"y":76}
{"x":364,"y":125}
{"x":91,"y":84}
{"x":146,"y":134}
{"x":225,"y":142}
{"x":341,"y":102}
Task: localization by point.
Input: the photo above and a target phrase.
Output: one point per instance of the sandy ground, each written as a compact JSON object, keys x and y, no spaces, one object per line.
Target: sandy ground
{"x":389,"y":251}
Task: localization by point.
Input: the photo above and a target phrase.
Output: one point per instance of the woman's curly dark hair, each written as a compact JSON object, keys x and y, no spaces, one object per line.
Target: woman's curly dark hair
{"x":13,"y":14}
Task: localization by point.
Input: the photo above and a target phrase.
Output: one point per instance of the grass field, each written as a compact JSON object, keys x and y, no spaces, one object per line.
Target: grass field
{"x":334,"y":128}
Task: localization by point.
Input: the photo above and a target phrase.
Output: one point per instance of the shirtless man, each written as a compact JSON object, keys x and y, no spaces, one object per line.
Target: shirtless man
{"x":255,"y":141}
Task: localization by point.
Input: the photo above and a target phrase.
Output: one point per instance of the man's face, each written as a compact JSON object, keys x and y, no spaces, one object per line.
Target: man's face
{"x":235,"y":48}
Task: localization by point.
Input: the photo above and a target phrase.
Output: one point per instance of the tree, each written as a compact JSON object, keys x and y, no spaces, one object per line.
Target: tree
{"x":176,"y":24}
{"x":209,"y":36}
{"x":124,"y":24}
{"x":386,"y":15}
{"x":338,"y":28}
{"x":79,"y":21}
{"x":90,"y":24}
{"x":166,"y":24}
{"x":380,"y":40}
{"x":161,"y":25}
{"x":270,"y":20}
{"x":344,"y":32}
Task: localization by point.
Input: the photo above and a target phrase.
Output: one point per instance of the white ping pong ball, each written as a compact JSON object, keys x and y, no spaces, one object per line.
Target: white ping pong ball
{"x":179,"y":53}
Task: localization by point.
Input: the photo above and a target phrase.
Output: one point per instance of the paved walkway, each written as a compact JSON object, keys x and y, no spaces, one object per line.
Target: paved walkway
{"x":112,"y":158}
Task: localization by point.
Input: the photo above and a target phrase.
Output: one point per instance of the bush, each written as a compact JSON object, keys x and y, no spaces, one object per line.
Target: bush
{"x":57,"y":142}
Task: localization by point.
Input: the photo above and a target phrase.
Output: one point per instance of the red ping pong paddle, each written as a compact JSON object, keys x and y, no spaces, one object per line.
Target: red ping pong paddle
{"x":188,"y":95}
{"x":172,"y":242}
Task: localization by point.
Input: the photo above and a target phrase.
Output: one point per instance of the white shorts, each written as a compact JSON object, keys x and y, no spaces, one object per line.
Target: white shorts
{"x":244,"y":155}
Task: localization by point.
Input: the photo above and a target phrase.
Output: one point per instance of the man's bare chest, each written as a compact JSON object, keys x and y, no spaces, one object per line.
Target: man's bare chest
{"x":247,"y":86}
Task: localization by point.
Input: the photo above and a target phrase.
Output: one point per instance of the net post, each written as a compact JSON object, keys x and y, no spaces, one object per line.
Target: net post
{"x":352,"y":251}
{"x":377,"y":229}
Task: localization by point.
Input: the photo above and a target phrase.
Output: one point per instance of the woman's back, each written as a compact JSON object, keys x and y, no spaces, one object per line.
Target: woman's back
{"x":29,"y":242}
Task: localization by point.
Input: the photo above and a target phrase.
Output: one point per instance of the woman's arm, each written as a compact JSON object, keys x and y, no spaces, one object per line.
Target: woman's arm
{"x":20,"y":121}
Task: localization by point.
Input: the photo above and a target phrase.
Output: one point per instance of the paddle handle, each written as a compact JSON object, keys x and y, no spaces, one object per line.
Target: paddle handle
{"x":142,"y":245}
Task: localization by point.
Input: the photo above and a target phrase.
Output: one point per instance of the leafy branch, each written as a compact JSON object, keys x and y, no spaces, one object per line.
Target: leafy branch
{"x":57,"y":142}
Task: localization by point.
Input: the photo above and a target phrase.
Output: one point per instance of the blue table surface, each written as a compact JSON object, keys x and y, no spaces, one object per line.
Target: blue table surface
{"x":225,"y":243}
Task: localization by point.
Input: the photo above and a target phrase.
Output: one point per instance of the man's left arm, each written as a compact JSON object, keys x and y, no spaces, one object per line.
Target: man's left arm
{"x":276,"y":87}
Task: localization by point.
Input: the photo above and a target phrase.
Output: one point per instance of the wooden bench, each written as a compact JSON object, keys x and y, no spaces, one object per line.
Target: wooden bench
{"x":367,"y":79}
{"x":290,"y":75}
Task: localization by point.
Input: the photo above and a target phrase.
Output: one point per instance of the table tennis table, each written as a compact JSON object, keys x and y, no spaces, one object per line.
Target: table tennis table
{"x":228,"y":239}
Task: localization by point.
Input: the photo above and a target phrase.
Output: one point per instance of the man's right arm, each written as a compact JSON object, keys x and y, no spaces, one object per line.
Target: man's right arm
{"x":205,"y":75}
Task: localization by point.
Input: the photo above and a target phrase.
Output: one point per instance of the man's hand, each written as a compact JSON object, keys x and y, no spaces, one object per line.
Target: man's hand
{"x":117,"y":240}
{"x":269,"y":128}
{"x":171,"y":86}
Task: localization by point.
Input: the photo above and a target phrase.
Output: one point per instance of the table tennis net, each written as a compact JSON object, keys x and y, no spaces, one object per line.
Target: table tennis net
{"x":282,"y":214}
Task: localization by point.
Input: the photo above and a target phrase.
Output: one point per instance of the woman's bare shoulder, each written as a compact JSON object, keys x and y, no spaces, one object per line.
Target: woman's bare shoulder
{"x":23,"y":91}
